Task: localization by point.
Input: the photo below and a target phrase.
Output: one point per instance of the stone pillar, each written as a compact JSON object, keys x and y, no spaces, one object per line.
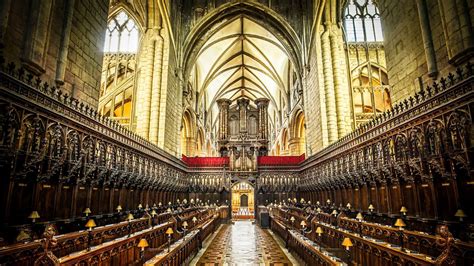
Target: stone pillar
{"x":457,"y":28}
{"x":427,"y":37}
{"x":156,"y":89}
{"x":329,"y":85}
{"x":223,"y":105}
{"x":4,"y":15}
{"x":341,"y":86}
{"x":64,"y":46}
{"x":262,"y":107}
{"x":145,"y":83}
{"x":37,"y":35}
{"x":243,"y":104}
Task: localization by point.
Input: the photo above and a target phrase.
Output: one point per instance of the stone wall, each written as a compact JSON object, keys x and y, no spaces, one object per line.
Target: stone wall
{"x":405,"y":47}
{"x":62,"y":41}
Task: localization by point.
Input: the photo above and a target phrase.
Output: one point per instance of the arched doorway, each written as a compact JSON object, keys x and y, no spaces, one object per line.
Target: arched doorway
{"x":243,"y":200}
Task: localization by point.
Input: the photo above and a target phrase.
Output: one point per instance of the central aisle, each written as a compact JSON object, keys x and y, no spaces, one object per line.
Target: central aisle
{"x":243,"y":243}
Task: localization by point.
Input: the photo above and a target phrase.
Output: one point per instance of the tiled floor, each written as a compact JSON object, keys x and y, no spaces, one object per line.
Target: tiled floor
{"x":243,"y":243}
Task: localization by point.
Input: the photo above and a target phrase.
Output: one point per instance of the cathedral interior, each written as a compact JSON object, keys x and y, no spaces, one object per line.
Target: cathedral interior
{"x":236,"y":132}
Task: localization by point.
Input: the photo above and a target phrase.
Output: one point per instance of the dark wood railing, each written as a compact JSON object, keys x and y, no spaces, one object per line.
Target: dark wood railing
{"x":376,"y":244}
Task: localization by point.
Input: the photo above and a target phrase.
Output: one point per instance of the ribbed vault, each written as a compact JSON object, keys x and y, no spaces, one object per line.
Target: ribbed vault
{"x":241,"y":59}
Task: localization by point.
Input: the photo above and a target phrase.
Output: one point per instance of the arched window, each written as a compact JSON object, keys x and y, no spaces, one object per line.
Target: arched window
{"x":119,"y":69}
{"x":366,"y":56}
{"x":362,"y":22}
{"x":122,"y":35}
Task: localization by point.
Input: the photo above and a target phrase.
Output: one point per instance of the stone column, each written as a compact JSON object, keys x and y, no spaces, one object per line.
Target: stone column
{"x":223,"y":105}
{"x":64,"y":46}
{"x":145,"y":83}
{"x":427,"y":37}
{"x":243,"y":104}
{"x":329,"y":85}
{"x":37,"y":35}
{"x":457,"y":28}
{"x":4,"y":15}
{"x":156,"y":89}
{"x":341,"y":86}
{"x":262,"y":107}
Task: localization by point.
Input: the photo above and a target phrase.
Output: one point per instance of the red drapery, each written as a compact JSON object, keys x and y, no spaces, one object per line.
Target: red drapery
{"x":280,"y":160}
{"x":206,"y":161}
{"x":221,"y":161}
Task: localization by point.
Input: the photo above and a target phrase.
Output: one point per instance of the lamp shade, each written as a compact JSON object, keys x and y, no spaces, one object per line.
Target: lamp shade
{"x":159,"y":204}
{"x":185,"y":224}
{"x":87,"y":211}
{"x":119,"y":208}
{"x":168,"y":210}
{"x":194,"y":219}
{"x":130,"y":217}
{"x":347,"y":243}
{"x":319,"y":231}
{"x":292,"y":219}
{"x":460,"y":213}
{"x":91,"y":223}
{"x":403,"y":210}
{"x":400,"y":223}
{"x":140,"y":206}
{"x":153,"y":213}
{"x":348,"y":205}
{"x":371,"y":207}
{"x":143,"y":243}
{"x":334,"y":212}
{"x":169,"y":231}
{"x":34,"y":215}
{"x":359,"y":216}
{"x":318,"y":210}
{"x":303,"y":223}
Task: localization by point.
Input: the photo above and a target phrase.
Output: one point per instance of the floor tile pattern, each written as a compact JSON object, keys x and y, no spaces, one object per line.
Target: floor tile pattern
{"x":243,"y":243}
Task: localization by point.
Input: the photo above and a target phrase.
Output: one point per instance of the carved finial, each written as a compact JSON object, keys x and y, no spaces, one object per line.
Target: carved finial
{"x":48,"y":258}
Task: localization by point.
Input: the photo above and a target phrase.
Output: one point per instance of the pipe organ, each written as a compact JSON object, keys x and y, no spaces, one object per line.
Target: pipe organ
{"x":243,"y":132}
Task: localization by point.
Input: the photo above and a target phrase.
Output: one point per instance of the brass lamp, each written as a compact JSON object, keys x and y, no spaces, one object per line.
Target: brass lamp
{"x":371,"y":208}
{"x":400,"y":223}
{"x":318,"y":210}
{"x":159,"y":204}
{"x":33,"y":216}
{"x":292,"y":219}
{"x":404,"y":210}
{"x":194,"y":220}
{"x":348,"y":205}
{"x":169,"y":210}
{"x":359,"y":217}
{"x":347,"y":243}
{"x":309,"y":202}
{"x":153,"y":213}
{"x":184,"y":225}
{"x":334,"y":212}
{"x":169,"y":232}
{"x":129,"y":219}
{"x":90,"y":224}
{"x":142,"y":245}
{"x":460,"y":214}
{"x":119,"y":208}
{"x":303,"y":224}
{"x":328,"y":201}
{"x":317,"y":203}
{"x":87,"y":211}
{"x":140,"y":206}
{"x":319,"y":231}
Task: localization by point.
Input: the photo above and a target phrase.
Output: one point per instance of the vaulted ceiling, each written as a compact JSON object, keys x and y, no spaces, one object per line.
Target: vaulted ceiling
{"x":241,"y":59}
